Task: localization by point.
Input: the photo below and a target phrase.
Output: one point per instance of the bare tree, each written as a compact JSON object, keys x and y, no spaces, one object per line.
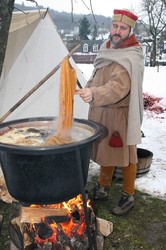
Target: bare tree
{"x":154,"y":19}
{"x":164,"y":2}
{"x":6,"y":8}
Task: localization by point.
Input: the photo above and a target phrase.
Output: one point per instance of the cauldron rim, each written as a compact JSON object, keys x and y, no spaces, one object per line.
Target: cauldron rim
{"x":49,"y":149}
{"x":37,"y":175}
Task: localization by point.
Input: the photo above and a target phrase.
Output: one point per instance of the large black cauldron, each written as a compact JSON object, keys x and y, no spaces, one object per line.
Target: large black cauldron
{"x":46,"y":175}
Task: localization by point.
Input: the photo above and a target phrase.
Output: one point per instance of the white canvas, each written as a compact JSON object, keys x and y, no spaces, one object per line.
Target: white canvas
{"x":34,"y":49}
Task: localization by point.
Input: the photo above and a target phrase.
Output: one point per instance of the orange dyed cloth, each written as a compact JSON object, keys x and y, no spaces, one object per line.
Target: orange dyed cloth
{"x":68,"y":81}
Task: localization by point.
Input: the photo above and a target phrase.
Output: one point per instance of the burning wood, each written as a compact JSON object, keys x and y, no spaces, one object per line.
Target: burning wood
{"x":32,"y":232}
{"x":56,"y":226}
{"x":29,"y":214}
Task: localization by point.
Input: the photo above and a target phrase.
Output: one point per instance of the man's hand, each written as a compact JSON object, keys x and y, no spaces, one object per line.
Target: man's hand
{"x":85,"y":94}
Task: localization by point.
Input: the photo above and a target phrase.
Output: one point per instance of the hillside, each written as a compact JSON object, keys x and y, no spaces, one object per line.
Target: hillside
{"x":67,"y":21}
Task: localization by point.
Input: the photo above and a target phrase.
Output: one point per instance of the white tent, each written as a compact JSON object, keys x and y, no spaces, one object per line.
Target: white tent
{"x":34,"y":48}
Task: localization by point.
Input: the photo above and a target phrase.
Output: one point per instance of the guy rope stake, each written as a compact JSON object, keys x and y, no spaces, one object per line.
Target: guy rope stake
{"x":37,"y":85}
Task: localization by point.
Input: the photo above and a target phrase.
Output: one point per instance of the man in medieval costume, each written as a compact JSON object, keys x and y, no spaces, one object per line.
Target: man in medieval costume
{"x":114,"y":93}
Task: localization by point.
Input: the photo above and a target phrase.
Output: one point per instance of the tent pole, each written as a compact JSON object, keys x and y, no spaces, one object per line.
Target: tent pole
{"x":37,"y":85}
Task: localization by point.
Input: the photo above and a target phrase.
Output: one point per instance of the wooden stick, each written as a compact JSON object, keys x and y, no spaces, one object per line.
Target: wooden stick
{"x":37,"y":86}
{"x":35,"y":215}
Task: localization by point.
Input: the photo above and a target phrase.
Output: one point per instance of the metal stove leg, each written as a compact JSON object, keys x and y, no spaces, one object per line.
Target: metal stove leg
{"x":78,"y":155}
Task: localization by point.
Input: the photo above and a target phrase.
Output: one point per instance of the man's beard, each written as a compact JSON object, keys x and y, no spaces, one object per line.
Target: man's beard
{"x":117,"y":43}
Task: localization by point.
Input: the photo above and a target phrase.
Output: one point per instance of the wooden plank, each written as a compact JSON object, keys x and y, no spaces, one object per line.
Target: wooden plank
{"x":104,"y":227}
{"x":35,"y":215}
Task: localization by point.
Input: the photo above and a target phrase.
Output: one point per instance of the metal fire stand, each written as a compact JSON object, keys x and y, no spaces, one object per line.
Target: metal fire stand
{"x":78,"y":157}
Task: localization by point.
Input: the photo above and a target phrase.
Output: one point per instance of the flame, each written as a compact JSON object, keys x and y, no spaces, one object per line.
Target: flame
{"x":71,"y":227}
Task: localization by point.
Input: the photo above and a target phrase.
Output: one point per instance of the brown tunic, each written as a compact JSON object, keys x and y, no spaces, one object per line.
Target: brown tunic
{"x":111,"y":92}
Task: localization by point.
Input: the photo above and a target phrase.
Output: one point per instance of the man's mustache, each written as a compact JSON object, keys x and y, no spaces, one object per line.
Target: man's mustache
{"x":116,"y":35}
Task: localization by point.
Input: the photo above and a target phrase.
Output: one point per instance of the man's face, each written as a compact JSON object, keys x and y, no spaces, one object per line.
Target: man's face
{"x":119,"y":32}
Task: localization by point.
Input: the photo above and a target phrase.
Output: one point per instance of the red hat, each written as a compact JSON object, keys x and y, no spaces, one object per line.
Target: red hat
{"x":125,"y":16}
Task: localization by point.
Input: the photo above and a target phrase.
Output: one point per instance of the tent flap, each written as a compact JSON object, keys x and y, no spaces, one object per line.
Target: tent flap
{"x":36,"y":49}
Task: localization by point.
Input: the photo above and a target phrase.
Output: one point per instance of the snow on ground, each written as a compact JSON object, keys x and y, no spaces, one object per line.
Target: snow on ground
{"x":154,"y":129}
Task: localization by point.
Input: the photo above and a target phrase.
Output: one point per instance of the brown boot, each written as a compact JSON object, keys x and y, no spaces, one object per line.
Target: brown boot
{"x":100,"y":193}
{"x":125,"y":204}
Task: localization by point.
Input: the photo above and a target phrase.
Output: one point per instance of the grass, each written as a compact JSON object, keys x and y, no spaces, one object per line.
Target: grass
{"x":143,"y":228}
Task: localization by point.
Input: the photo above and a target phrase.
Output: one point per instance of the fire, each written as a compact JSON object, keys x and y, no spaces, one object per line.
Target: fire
{"x":74,"y":225}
